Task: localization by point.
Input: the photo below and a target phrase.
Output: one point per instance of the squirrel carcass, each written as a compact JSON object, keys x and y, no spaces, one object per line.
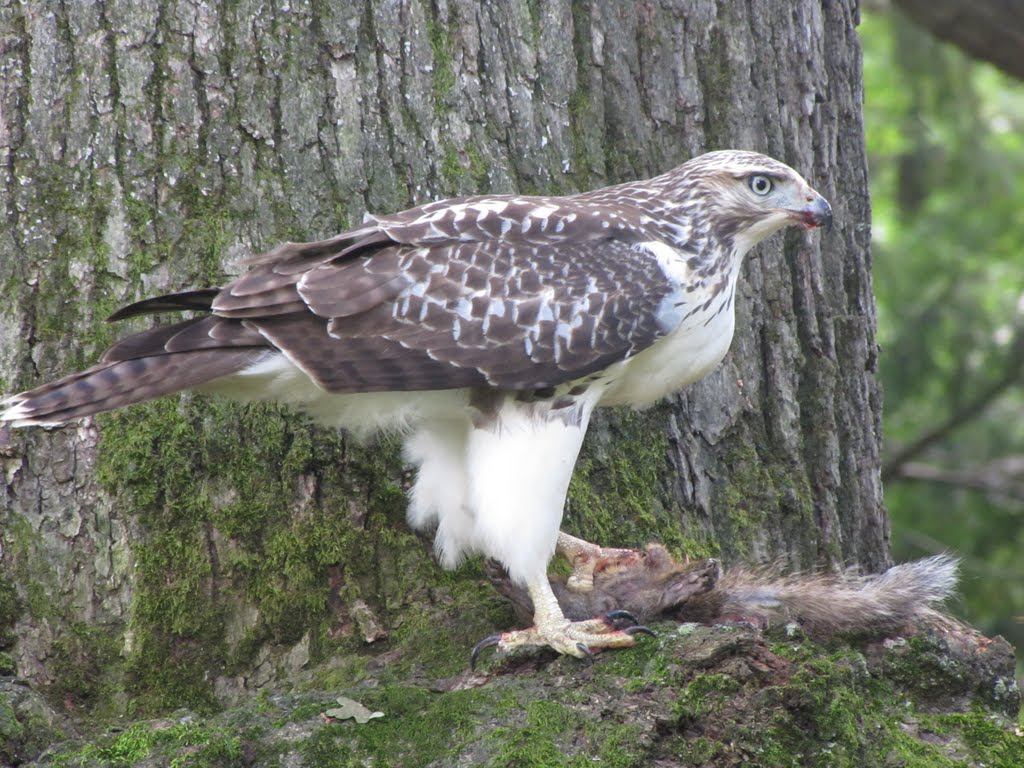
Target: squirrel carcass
{"x":651,"y":584}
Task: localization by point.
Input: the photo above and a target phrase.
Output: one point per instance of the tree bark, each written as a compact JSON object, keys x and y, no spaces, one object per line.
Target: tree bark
{"x":188,"y":552}
{"x":990,"y":30}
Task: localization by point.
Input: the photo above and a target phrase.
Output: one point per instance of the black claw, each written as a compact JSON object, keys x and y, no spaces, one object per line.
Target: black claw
{"x":639,"y":629}
{"x":620,"y":614}
{"x":588,"y":656}
{"x":487,"y":642}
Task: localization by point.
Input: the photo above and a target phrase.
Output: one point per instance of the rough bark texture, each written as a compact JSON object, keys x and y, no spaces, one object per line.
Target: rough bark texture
{"x":990,"y":30}
{"x":188,"y":552}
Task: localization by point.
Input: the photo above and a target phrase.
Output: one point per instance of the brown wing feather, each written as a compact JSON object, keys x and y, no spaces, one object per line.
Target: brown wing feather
{"x":170,"y":302}
{"x":362,"y":364}
{"x":146,"y":365}
{"x":517,"y":293}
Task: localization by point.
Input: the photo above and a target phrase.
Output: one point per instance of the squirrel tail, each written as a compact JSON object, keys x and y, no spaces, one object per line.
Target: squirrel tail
{"x":845,"y":602}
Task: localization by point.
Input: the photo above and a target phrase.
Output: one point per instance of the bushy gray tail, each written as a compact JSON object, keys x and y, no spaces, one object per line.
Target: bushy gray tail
{"x":844,"y":602}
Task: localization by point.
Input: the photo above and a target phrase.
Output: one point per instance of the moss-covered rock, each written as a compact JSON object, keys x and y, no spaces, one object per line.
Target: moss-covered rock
{"x":28,"y":724}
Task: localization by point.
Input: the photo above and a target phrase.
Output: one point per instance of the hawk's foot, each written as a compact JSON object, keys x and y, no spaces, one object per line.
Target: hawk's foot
{"x":581,"y":639}
{"x":551,"y":628}
{"x":589,"y":560}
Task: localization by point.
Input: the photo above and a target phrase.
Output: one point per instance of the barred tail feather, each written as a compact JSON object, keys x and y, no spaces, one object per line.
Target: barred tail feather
{"x":845,"y":602}
{"x":117,"y":383}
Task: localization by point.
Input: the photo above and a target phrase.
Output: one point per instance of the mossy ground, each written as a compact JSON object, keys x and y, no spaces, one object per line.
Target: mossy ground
{"x":710,"y":696}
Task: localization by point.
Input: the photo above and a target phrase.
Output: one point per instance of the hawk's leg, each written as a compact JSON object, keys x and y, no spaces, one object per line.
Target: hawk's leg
{"x":553,"y":629}
{"x":588,"y":559}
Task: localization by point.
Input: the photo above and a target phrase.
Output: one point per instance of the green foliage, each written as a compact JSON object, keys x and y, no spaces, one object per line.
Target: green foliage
{"x":945,"y":139}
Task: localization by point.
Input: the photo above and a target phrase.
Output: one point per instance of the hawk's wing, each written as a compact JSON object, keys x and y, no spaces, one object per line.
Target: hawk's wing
{"x":518,"y":293}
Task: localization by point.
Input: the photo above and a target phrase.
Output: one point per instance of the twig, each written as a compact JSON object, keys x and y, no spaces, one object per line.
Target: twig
{"x":964,"y":414}
{"x":988,"y":478}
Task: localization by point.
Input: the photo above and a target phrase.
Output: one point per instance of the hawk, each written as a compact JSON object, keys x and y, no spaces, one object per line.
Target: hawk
{"x":485,"y":330}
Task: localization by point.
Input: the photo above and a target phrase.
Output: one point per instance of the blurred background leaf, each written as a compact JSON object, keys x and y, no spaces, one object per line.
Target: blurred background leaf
{"x":945,"y":137}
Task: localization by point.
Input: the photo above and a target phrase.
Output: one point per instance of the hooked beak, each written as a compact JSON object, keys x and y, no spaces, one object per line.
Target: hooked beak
{"x":817,"y":213}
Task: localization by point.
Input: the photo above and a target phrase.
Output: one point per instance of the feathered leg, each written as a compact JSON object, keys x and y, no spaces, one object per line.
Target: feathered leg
{"x":520,"y":460}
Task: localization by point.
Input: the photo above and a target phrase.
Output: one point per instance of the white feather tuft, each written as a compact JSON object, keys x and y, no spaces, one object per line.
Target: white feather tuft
{"x":18,"y":414}
{"x":519,"y":469}
{"x":438,"y":497}
{"x":496,"y":488}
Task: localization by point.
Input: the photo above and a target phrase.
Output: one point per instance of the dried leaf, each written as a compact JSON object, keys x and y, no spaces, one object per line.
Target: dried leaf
{"x":350,"y":709}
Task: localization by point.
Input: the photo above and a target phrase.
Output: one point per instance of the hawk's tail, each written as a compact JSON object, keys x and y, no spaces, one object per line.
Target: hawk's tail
{"x":143,"y":366}
{"x":106,"y":386}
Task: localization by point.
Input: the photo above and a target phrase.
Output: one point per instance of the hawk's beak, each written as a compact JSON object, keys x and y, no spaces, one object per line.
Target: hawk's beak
{"x":818,"y":213}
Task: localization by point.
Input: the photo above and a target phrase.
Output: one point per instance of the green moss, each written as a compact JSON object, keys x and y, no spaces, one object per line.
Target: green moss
{"x":78,"y":206}
{"x":534,"y":744}
{"x":717,"y":72}
{"x":534,"y":11}
{"x":645,"y":666}
{"x":82,"y":664}
{"x":441,"y":46}
{"x":184,"y":745}
{"x":11,"y":608}
{"x":415,"y":718}
{"x":271,"y":526}
{"x":617,"y":495}
{"x":12,"y":732}
{"x":748,"y":498}
{"x":553,"y":734}
{"x":418,"y":729}
{"x":922,"y":667}
{"x":33,"y":574}
{"x":990,"y":741}
{"x":326,"y":748}
{"x":478,"y":169}
{"x":700,"y":751}
{"x":585,"y":118}
{"x":832,"y":712}
{"x":827,"y":709}
{"x":757,"y":490}
{"x":451,"y":169}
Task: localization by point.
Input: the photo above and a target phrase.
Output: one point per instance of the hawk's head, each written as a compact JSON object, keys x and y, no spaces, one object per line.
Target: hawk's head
{"x":749,"y":196}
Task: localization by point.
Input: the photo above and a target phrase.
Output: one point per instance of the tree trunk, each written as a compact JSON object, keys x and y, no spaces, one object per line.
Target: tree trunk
{"x":188,"y":552}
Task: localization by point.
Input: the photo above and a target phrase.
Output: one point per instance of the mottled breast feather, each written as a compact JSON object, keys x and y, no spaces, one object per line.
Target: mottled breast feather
{"x":513,"y":292}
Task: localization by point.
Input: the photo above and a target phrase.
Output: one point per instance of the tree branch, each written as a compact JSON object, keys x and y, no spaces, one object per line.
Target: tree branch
{"x":964,"y":414}
{"x":995,"y":478}
{"x":989,"y":30}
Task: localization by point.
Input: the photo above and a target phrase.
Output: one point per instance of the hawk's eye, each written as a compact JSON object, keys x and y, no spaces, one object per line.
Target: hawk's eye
{"x":760,"y":185}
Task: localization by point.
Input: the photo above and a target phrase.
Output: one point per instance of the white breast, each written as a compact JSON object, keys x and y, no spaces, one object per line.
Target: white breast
{"x":695,"y":339}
